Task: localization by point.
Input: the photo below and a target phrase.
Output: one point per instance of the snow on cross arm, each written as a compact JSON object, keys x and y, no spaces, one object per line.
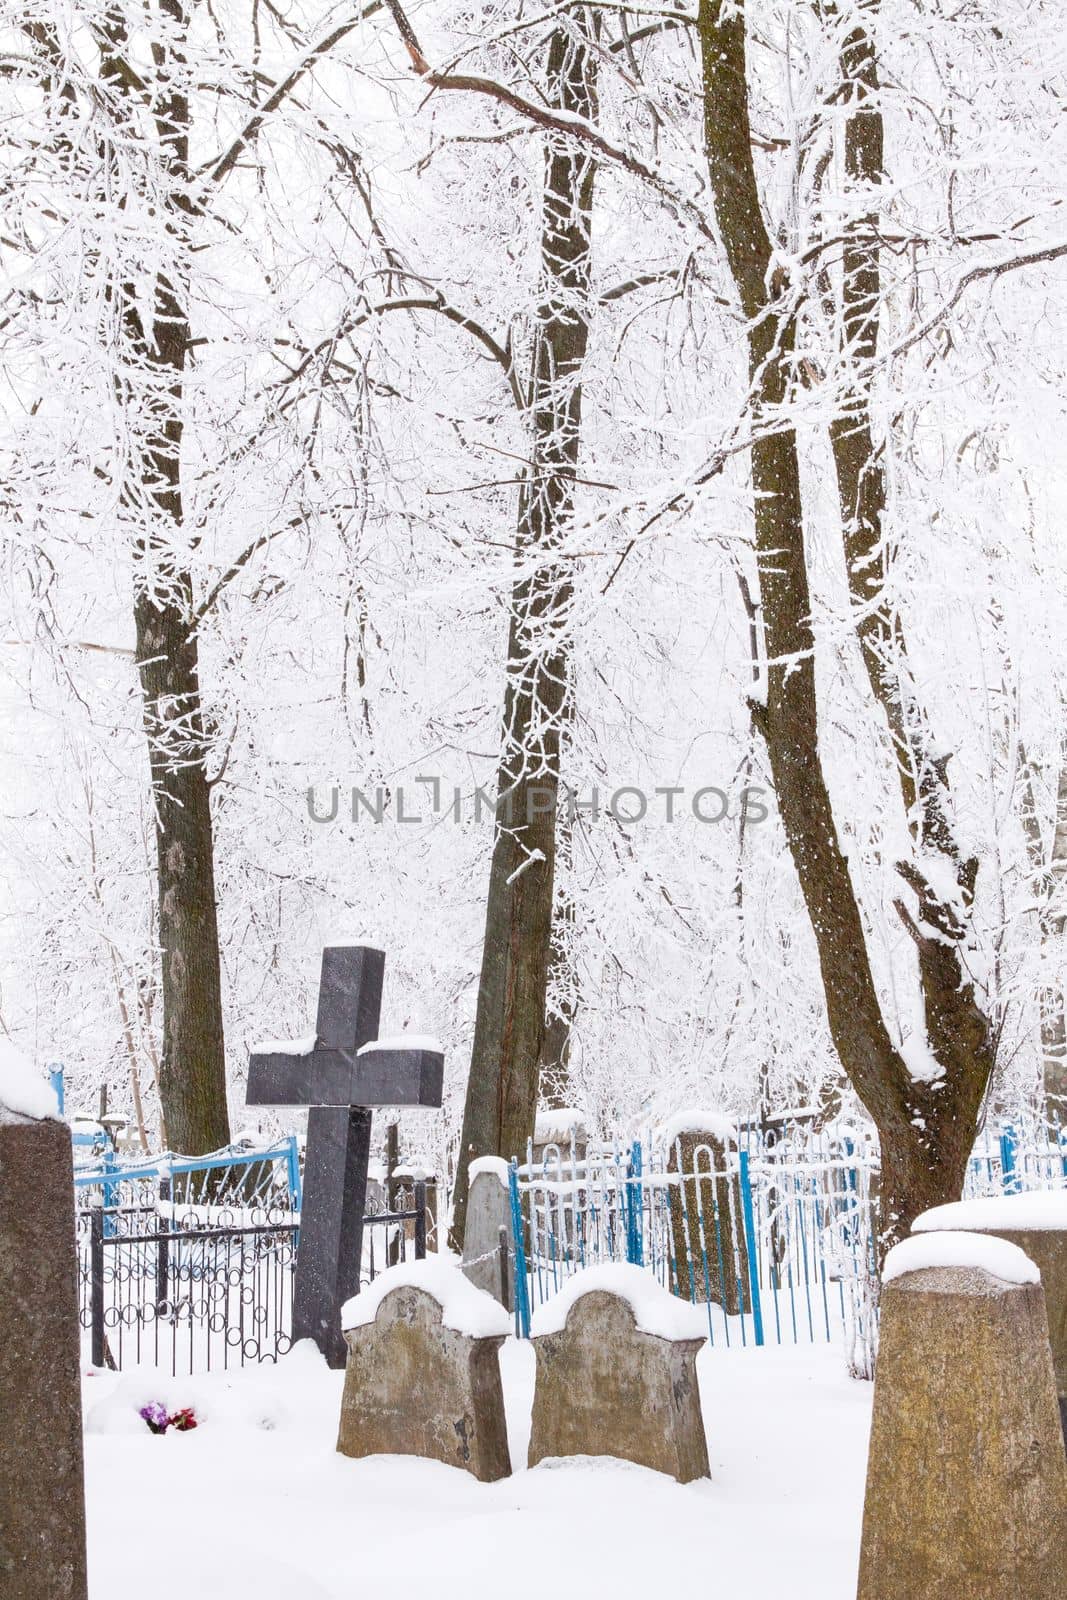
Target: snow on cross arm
{"x":403,"y":1041}
{"x":285,"y":1047}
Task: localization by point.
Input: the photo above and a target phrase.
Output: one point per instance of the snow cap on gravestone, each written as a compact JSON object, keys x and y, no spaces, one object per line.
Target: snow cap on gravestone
{"x":23,"y":1092}
{"x":558,"y":1125}
{"x":695,"y":1121}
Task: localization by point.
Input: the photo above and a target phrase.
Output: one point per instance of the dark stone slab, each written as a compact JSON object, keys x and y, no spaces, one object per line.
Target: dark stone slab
{"x":328,"y":1077}
{"x":397,"y":1078}
{"x":277,"y":1078}
{"x":42,"y":1495}
{"x":331,"y":1232}
{"x":350,"y":995}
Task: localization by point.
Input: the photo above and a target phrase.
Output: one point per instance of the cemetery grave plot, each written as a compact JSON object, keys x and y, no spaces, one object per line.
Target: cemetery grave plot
{"x":616,"y":1348}
{"x":786,"y":1433}
{"x":190,"y":1284}
{"x":770,"y":1227}
{"x":268,"y":1255}
{"x":805,"y":1198}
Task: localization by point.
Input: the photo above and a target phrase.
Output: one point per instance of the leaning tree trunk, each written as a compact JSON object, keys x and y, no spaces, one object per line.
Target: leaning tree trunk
{"x":926,"y":1127}
{"x":509,"y":1024}
{"x":192,"y":1078}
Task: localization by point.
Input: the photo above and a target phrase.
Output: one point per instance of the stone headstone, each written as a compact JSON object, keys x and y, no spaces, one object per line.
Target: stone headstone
{"x":616,"y":1374}
{"x":560,"y":1135}
{"x":1037,"y":1223}
{"x":423,"y":1376}
{"x":966,"y":1475}
{"x":42,"y":1495}
{"x":489,"y":1210}
{"x":707,"y":1231}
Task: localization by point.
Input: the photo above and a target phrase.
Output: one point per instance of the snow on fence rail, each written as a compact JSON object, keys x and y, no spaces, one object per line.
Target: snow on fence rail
{"x":239,"y":1175}
{"x":774,"y":1231}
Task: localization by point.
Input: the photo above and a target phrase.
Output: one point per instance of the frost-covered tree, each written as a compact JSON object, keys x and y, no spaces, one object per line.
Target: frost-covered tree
{"x":859,"y":295}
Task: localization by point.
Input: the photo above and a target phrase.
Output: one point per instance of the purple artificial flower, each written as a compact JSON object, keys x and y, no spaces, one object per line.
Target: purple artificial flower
{"x":155,"y":1415}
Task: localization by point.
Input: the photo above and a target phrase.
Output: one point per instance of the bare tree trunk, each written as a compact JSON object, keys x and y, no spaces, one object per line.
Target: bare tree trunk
{"x":509,"y":1025}
{"x":192,"y":1077}
{"x":926,"y":1128}
{"x":1050,"y":874}
{"x":958,"y":1030}
{"x":1054,"y":1006}
{"x":554,"y":1068}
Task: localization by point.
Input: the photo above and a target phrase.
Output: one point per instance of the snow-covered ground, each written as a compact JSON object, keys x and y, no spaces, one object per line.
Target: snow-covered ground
{"x":255,"y":1502}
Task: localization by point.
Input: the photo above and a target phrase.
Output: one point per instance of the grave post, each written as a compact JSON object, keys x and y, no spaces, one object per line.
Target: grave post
{"x":42,"y":1494}
{"x":489,"y":1215}
{"x":966,"y":1474}
{"x":1037,"y":1222}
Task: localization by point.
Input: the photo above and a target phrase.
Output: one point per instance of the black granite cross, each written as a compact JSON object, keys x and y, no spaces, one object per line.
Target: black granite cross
{"x":340,"y":1081}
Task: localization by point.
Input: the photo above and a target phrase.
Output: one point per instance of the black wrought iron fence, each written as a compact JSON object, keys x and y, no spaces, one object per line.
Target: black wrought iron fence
{"x":197,"y":1288}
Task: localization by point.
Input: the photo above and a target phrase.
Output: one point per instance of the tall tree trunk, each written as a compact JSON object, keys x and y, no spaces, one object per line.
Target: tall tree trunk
{"x":554,"y":1067}
{"x":192,"y":1078}
{"x":1050,"y":873}
{"x":509,"y":1024}
{"x":958,"y":1030}
{"x":1054,"y":1000}
{"x":926,"y":1126}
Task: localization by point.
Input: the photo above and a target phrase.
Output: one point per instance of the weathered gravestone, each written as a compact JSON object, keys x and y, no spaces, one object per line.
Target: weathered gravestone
{"x":42,"y":1496}
{"x":966,"y":1475}
{"x":489,"y":1267}
{"x":560,"y":1136}
{"x":616,"y":1374}
{"x":707,"y":1226}
{"x":423,"y":1376}
{"x":1037,"y":1223}
{"x":340,"y":1074}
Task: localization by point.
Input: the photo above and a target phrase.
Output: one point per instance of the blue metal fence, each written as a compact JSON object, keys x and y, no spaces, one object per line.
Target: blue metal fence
{"x":235,"y":1171}
{"x":774,"y":1233}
